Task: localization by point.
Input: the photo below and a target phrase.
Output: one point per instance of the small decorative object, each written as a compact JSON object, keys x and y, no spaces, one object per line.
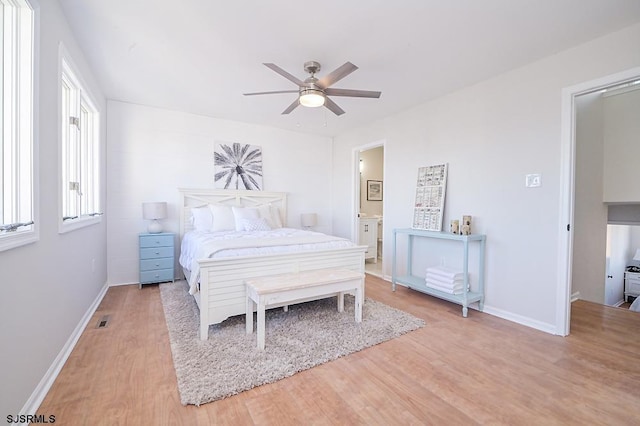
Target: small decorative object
{"x":238,"y":166}
{"x":154,"y":212}
{"x":430,"y":192}
{"x":466,"y":230}
{"x":455,"y":226}
{"x":374,"y":190}
{"x":308,"y":220}
{"x":466,"y":220}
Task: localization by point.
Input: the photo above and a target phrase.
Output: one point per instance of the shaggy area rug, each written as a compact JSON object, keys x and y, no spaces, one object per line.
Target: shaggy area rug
{"x":308,"y":335}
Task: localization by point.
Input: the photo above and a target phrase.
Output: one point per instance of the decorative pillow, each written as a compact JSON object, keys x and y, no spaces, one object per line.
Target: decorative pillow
{"x":272,"y":215}
{"x":202,"y":218}
{"x":275,"y":213}
{"x":259,"y":224}
{"x":223,"y":219}
{"x":241,"y":213}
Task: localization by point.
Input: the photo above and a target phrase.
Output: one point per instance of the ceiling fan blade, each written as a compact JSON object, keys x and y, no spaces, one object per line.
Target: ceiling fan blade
{"x":285,"y":74}
{"x":291,"y":107}
{"x":353,"y":93}
{"x":332,"y":106}
{"x":271,"y":93}
{"x":336,"y":75}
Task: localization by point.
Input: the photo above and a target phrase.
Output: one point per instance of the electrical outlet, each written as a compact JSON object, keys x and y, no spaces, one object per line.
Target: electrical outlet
{"x":533,"y":180}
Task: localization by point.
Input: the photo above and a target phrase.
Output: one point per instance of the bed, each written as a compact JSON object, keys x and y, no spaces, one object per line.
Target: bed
{"x":217,"y":263}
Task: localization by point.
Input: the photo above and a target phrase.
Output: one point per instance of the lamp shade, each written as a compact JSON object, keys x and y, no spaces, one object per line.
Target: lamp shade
{"x":637,"y":255}
{"x":154,"y":212}
{"x":151,"y":211}
{"x":308,"y":219}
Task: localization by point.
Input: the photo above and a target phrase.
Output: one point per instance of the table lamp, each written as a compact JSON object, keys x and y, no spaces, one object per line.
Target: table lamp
{"x":308,"y":220}
{"x":154,"y":212}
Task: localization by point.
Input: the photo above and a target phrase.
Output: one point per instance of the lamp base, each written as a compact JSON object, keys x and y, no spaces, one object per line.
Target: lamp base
{"x":154,"y":227}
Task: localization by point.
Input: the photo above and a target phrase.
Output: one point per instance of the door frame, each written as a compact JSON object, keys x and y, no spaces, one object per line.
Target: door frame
{"x":355,"y":205}
{"x":567,"y":187}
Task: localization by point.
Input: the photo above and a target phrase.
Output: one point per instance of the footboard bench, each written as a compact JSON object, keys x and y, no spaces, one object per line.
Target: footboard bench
{"x":281,"y":290}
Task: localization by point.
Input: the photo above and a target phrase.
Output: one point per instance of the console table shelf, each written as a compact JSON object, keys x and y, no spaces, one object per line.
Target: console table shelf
{"x":417,"y":283}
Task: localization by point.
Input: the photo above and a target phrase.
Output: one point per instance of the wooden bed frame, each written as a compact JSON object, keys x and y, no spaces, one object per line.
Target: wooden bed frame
{"x":222,"y":289}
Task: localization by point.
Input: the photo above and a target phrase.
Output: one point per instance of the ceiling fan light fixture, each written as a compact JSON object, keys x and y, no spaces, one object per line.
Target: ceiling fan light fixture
{"x":311,"y":98}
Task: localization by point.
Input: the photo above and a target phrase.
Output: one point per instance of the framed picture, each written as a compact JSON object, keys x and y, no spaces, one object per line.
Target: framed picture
{"x":237,"y":166}
{"x":374,"y":190}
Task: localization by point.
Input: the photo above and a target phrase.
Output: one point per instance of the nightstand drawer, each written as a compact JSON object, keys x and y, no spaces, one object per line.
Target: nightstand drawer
{"x":156,"y":240}
{"x":155,"y":253}
{"x":156,"y":276}
{"x":153,"y":264}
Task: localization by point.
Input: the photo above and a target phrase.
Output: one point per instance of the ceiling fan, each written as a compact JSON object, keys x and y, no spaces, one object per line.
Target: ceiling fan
{"x":314,"y":92}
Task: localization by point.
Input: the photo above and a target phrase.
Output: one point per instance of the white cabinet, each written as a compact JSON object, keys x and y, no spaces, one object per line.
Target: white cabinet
{"x":368,"y":236}
{"x":631,"y":284}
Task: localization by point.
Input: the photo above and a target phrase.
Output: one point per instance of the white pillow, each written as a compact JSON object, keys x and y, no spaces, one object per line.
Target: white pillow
{"x":259,"y":224}
{"x":202,"y":218}
{"x":241,"y":213}
{"x":272,"y":215}
{"x":223,"y":219}
{"x":275,"y":213}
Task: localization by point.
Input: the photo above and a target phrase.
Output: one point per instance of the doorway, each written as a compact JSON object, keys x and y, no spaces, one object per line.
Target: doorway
{"x":370,"y":207}
{"x":571,"y":210}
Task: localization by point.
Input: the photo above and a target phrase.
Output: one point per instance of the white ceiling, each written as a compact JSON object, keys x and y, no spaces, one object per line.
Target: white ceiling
{"x":199,"y":56}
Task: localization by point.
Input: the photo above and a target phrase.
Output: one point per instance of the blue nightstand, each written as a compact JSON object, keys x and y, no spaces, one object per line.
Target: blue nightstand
{"x":156,"y":257}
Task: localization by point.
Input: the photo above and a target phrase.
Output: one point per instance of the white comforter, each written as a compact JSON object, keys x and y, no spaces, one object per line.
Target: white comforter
{"x":202,"y":245}
{"x":635,"y":306}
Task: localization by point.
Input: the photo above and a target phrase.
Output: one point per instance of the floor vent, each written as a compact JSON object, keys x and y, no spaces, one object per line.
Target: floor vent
{"x":104,"y":321}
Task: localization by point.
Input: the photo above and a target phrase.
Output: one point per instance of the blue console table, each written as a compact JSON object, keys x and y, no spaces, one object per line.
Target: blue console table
{"x":418,"y":283}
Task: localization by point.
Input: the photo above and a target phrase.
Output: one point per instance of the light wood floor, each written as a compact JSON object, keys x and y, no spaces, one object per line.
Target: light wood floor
{"x":478,"y":370}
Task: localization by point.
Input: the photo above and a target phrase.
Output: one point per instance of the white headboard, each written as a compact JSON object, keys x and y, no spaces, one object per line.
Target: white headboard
{"x":197,"y":197}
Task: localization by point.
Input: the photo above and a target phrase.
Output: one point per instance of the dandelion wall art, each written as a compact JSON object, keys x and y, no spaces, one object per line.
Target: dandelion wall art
{"x":238,"y":166}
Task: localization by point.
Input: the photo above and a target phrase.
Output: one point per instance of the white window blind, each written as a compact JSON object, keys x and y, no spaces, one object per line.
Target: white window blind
{"x":16,"y":113}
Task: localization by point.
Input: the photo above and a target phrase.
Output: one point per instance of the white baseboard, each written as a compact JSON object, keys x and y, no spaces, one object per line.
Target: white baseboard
{"x":529,"y":322}
{"x":510,"y":316}
{"x":575,"y":296}
{"x":38,"y":395}
{"x":119,"y":284}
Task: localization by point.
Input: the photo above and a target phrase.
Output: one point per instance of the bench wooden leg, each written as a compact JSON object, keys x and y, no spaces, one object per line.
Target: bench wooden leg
{"x":358,"y":301}
{"x":341,"y":301}
{"x":249,"y":315}
{"x":261,"y":332}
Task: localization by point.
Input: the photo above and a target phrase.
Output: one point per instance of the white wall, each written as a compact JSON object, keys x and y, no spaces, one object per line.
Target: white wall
{"x":47,"y":287}
{"x":622,"y":147}
{"x":153,"y":152}
{"x":492,"y":134}
{"x":590,"y":224}
{"x":634,"y":244}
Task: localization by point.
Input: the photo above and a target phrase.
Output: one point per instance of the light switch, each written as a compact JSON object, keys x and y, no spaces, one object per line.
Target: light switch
{"x":533,"y":180}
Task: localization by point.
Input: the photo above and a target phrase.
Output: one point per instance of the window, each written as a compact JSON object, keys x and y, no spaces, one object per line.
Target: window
{"x":80,"y":153}
{"x":17,"y":20}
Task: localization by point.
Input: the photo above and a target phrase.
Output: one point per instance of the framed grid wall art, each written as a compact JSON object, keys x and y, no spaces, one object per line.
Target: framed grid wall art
{"x":430,"y":191}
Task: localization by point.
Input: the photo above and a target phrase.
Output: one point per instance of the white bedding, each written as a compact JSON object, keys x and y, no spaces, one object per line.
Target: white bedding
{"x":203,"y":244}
{"x":635,"y":306}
